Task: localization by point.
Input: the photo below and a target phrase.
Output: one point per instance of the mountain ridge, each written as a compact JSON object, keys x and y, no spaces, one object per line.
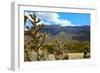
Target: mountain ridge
{"x":80,"y":33}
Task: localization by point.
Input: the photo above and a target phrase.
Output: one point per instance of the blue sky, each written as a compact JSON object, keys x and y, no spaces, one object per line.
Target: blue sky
{"x":76,"y":18}
{"x":62,"y":19}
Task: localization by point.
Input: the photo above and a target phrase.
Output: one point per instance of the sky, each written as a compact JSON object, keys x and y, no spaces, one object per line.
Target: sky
{"x":60,"y":18}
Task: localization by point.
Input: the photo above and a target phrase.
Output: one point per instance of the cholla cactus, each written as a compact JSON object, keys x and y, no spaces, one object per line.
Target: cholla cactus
{"x":60,"y":53}
{"x":37,"y":38}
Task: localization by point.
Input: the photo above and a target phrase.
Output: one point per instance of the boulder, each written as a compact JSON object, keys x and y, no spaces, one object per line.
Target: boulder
{"x":51,"y":57}
{"x":33,"y":55}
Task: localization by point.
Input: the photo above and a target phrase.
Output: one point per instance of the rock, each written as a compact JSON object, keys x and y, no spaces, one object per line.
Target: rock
{"x":51,"y":57}
{"x":33,"y":55}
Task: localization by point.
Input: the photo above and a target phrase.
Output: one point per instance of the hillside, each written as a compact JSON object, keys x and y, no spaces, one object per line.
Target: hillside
{"x":67,"y":33}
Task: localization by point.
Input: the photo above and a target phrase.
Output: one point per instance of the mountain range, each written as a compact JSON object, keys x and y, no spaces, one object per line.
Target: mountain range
{"x":80,"y":33}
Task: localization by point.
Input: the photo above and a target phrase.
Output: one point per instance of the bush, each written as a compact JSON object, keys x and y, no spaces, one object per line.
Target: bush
{"x":49,"y":48}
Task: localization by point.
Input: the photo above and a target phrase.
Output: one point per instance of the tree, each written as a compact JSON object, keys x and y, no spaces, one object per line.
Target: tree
{"x":36,"y":39}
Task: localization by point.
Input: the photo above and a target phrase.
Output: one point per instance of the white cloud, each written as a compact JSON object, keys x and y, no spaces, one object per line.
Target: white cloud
{"x":54,"y":18}
{"x":48,"y":17}
{"x":51,"y":18}
{"x":47,"y":23}
{"x":64,"y":22}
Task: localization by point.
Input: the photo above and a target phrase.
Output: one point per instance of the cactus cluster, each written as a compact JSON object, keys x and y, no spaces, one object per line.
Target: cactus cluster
{"x":60,"y":53}
{"x":36,"y":49}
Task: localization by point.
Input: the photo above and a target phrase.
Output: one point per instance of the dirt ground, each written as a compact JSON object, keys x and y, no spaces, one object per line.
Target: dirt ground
{"x":76,"y":55}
